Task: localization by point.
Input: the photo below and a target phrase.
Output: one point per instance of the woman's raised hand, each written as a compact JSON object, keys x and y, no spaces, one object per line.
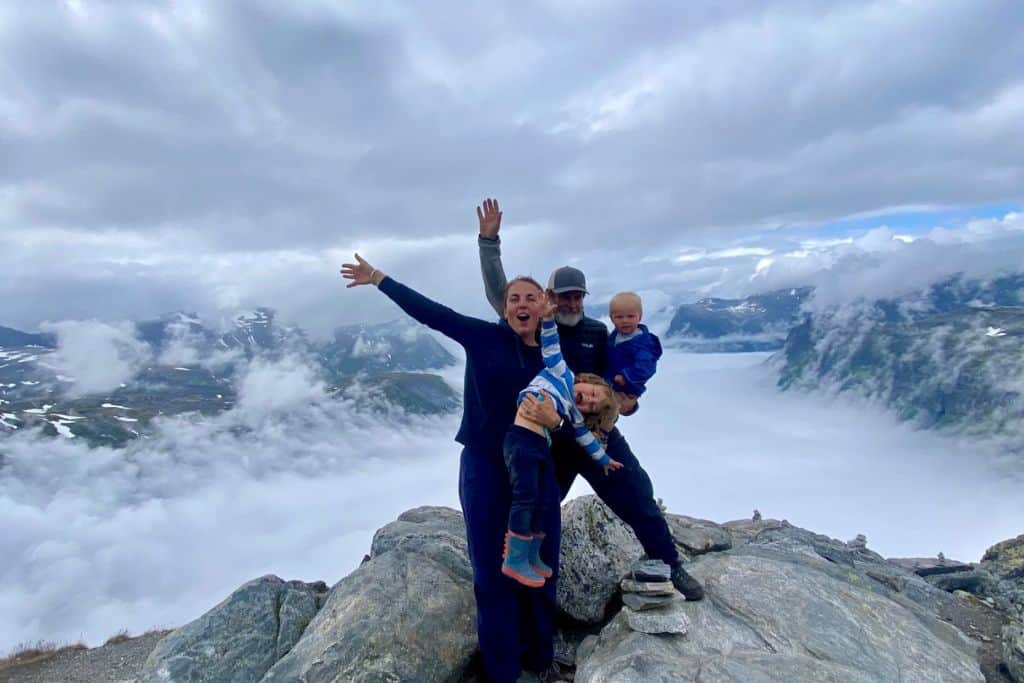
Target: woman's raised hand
{"x":361,"y":273}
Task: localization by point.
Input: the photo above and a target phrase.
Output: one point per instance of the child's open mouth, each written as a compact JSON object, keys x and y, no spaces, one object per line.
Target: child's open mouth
{"x":522,"y":317}
{"x":579,"y":397}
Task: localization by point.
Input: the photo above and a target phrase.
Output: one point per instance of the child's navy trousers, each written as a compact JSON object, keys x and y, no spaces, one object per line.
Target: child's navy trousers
{"x":528,"y":459}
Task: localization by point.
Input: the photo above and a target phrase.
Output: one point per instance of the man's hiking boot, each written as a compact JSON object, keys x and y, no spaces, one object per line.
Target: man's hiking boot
{"x":536,"y":563}
{"x":686,"y":584}
{"x":517,"y":561}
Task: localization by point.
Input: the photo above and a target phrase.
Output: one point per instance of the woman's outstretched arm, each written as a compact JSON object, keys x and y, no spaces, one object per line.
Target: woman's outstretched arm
{"x":461,"y":328}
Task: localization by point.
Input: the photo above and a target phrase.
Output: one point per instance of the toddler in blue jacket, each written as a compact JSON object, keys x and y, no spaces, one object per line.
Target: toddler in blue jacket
{"x":633,"y":351}
{"x":587,"y":403}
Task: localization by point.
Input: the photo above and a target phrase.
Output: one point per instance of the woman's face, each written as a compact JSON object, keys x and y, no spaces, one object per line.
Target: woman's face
{"x":523,"y":303}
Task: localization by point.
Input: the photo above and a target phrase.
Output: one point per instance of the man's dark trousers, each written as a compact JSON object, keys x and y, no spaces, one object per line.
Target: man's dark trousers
{"x":628,"y":492}
{"x":507,"y":643}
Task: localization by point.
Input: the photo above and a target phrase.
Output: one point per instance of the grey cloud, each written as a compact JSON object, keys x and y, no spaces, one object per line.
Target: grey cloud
{"x":248,"y":127}
{"x":77,"y":290}
{"x":96,"y":356}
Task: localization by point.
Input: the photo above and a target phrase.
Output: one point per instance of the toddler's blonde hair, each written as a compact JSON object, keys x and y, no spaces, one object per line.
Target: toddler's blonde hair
{"x":623,"y":297}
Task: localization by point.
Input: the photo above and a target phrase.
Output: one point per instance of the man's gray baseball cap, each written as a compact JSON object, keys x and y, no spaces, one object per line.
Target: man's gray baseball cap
{"x":567,"y":279}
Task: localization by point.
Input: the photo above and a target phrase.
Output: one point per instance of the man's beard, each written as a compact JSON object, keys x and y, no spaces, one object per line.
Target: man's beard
{"x":568,"y":319}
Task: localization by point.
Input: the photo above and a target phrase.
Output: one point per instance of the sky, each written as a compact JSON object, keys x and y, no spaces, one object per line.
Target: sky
{"x":214,"y":156}
{"x":292,"y":483}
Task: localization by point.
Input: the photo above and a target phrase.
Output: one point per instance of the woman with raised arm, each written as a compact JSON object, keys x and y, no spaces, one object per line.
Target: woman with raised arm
{"x":515,"y":625}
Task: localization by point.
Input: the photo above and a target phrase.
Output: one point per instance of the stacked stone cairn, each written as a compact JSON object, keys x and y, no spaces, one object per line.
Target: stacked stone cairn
{"x":650,"y":601}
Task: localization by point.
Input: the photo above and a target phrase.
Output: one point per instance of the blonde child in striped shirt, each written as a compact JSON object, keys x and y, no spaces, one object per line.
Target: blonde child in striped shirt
{"x":586,"y":402}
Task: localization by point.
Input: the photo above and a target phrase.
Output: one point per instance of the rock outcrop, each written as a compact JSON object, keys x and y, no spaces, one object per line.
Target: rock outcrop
{"x":1004,"y":562}
{"x":406,"y":614}
{"x":777,"y":610}
{"x":239,"y":639}
{"x":1013,"y":651}
{"x":597,"y":551}
{"x":783,"y":604}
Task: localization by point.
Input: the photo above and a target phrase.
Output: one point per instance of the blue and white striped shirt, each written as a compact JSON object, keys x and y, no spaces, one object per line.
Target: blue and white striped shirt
{"x":556,"y":379}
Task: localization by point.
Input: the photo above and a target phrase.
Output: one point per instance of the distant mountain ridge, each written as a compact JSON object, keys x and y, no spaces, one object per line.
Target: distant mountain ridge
{"x":12,"y":337}
{"x":400,"y":345}
{"x":193,"y":368}
{"x":946,"y":357}
{"x":759,"y":322}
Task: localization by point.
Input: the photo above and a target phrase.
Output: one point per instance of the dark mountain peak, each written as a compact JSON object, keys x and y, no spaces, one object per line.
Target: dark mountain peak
{"x":12,"y":337}
{"x":393,"y":345}
{"x":157,"y":333}
{"x":758,"y":322}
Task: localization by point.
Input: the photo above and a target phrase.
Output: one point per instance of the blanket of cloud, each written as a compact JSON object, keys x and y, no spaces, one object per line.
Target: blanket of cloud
{"x":98,"y":355}
{"x":293,"y":483}
{"x":249,"y":147}
{"x":883,"y":263}
{"x":947,"y":357}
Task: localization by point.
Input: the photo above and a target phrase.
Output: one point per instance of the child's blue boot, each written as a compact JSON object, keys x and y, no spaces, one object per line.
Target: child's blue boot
{"x":535,"y":562}
{"x":517,"y":561}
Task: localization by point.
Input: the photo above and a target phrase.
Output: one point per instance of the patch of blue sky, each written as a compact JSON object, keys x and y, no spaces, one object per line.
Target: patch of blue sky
{"x":916,"y":220}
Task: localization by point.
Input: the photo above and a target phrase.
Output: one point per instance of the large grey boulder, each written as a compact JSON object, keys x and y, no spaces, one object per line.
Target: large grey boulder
{"x":697,"y":536}
{"x":1006,"y":559}
{"x":597,"y":550}
{"x":931,"y":566}
{"x":406,"y":614}
{"x":976,"y":581}
{"x":792,"y":606}
{"x":1013,"y":651}
{"x":744,"y":530}
{"x":1005,"y":563}
{"x":621,"y":655}
{"x":871,"y":569}
{"x":239,"y":639}
{"x":950,"y":575}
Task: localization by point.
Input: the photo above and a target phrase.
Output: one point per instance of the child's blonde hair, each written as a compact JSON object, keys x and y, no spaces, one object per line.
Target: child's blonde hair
{"x":601,"y":422}
{"x":623,"y":297}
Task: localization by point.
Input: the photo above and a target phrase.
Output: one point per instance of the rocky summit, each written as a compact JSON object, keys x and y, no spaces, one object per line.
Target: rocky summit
{"x":782,"y":604}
